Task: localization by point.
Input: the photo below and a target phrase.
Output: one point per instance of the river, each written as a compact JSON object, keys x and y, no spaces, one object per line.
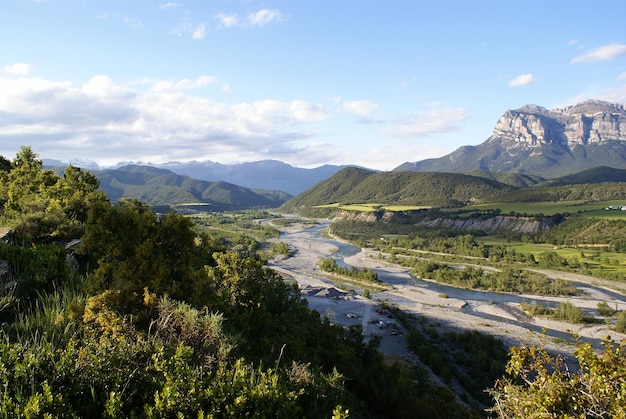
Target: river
{"x":472,"y":297}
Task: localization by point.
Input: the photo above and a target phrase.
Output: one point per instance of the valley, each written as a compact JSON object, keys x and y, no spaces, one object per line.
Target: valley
{"x":497,"y":314}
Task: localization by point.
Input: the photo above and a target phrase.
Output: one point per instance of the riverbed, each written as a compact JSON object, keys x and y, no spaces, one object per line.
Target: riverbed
{"x":446,"y":307}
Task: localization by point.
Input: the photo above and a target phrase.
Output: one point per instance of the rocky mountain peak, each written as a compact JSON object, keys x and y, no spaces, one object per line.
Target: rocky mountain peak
{"x":592,"y":107}
{"x":591,"y":121}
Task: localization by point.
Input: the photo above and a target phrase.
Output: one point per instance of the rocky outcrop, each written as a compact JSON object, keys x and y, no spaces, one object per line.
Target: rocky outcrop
{"x":518,"y":224}
{"x":526,"y":225}
{"x":589,"y":122}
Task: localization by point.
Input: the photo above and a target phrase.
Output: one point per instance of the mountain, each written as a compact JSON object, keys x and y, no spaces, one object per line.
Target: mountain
{"x":547,"y":143}
{"x":447,"y":189}
{"x":264,"y":174}
{"x":354,"y":185}
{"x":157,"y":186}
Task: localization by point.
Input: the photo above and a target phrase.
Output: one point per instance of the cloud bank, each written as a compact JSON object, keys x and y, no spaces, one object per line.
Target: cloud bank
{"x":110,"y":122}
{"x":157,"y":121}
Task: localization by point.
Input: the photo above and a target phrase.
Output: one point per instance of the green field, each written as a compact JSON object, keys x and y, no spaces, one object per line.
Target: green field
{"x":374,"y":207}
{"x":594,"y":257}
{"x":589,"y":209}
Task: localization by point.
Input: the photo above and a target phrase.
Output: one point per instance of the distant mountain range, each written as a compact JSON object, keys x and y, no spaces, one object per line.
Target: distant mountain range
{"x":547,"y":143}
{"x":161,"y":187}
{"x":263,"y":174}
{"x":528,"y":145}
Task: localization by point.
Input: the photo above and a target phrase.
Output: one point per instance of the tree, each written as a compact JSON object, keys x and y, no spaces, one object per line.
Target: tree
{"x":541,"y":385}
{"x":134,"y":248}
{"x":39,"y":205}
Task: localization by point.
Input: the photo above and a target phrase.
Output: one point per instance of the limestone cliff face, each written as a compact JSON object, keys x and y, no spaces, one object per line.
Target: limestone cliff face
{"x":500,"y":222}
{"x":517,"y":224}
{"x":589,"y":122}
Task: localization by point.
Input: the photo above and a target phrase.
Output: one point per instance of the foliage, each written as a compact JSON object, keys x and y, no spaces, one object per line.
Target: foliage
{"x":280,"y":248}
{"x":39,"y":206}
{"x":353,"y":185}
{"x":565,"y":311}
{"x":472,"y":359}
{"x":620,"y":322}
{"x":163,"y":187}
{"x":505,"y":280}
{"x":133,"y":248}
{"x":541,"y":385}
{"x":605,"y":310}
{"x":118,"y":372}
{"x":588,"y":191}
{"x":161,"y":318}
{"x":587,"y":231}
{"x":363,"y":274}
{"x":35,"y":269}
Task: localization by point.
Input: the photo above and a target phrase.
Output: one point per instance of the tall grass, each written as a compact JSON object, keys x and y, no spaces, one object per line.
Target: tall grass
{"x":53,"y":317}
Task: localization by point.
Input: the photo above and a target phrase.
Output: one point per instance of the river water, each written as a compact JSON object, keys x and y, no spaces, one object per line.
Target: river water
{"x":472,"y":296}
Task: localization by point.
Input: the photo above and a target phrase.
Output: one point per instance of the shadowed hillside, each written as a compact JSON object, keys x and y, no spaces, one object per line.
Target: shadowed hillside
{"x":163,"y":187}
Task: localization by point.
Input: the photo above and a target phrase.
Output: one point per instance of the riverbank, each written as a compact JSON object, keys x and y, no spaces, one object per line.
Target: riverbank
{"x":498,"y":319}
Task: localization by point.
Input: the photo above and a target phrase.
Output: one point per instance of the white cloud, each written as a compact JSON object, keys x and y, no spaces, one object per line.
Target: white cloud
{"x":170,"y":5}
{"x":622,"y":76}
{"x":603,"y":53}
{"x":616,"y":94}
{"x":18,"y":69}
{"x":227,"y":21}
{"x":259,"y":18}
{"x":263,"y":17}
{"x":130,"y":22}
{"x":390,"y":155}
{"x":359,"y":107}
{"x":200,"y":31}
{"x":158,"y":85}
{"x":133,"y":23}
{"x":108,"y":122}
{"x":522,"y":80}
{"x":422,"y":124}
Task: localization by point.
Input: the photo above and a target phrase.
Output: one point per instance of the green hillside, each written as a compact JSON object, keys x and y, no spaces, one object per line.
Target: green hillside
{"x":400,"y":188}
{"x":163,"y":187}
{"x":515,"y":179}
{"x":447,"y":190}
{"x":600,"y":174}
{"x":598,"y":184}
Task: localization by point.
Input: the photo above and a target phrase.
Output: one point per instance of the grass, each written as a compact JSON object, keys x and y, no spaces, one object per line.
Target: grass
{"x":374,"y":207}
{"x":589,"y":209}
{"x":595,"y":257}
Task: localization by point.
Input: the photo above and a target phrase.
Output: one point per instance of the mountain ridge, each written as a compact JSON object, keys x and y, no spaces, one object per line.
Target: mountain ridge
{"x":262,"y":174}
{"x":157,"y":186}
{"x":549,"y":143}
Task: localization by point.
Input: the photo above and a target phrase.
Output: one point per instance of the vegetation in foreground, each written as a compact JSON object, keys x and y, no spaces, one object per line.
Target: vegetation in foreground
{"x":152,"y":317}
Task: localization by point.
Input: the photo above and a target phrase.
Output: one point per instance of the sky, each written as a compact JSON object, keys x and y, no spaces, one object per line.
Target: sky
{"x":308,"y":82}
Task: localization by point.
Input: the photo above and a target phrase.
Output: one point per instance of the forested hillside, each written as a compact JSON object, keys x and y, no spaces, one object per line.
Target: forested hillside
{"x":354,"y":185}
{"x":449,"y":190}
{"x":163,"y":187}
{"x":109,"y":310}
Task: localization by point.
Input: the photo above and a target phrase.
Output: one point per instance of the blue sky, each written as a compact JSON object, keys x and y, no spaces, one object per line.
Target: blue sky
{"x":307,"y":82}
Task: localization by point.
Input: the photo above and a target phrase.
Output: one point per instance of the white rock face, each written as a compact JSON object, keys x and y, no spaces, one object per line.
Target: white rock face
{"x":588,"y":122}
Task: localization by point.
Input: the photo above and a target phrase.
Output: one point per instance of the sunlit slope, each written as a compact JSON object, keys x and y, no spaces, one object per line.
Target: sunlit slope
{"x":354,"y":185}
